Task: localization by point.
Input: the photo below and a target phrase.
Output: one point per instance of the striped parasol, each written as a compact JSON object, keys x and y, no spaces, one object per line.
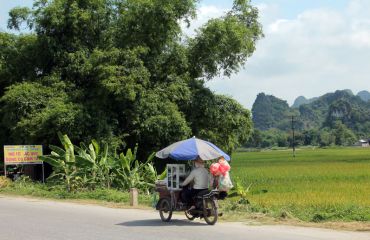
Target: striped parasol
{"x":191,"y":149}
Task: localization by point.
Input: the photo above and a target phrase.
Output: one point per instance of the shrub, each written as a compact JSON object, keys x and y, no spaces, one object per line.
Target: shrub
{"x":4,"y":182}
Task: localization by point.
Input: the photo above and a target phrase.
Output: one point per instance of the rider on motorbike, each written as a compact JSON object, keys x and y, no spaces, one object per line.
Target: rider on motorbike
{"x":200,"y":178}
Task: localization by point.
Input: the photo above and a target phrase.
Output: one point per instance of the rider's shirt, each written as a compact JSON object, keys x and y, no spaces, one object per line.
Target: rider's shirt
{"x":200,"y":177}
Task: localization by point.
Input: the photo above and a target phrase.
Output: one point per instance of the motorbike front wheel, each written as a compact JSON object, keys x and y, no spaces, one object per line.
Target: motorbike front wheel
{"x":210,"y":212}
{"x":165,"y":210}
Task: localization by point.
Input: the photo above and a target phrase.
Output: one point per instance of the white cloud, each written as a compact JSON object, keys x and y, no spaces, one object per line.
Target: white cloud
{"x":318,"y":51}
{"x":277,"y":25}
{"x":204,"y":13}
{"x":358,"y":9}
{"x":270,"y":12}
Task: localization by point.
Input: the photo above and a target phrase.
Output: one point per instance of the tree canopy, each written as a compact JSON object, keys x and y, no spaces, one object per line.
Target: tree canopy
{"x":116,"y":69}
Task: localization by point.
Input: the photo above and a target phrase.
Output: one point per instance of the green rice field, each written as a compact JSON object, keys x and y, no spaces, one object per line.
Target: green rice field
{"x":317,"y":185}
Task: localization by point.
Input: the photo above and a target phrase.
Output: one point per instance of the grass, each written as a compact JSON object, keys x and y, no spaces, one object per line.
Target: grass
{"x":317,"y":185}
{"x":28,"y":188}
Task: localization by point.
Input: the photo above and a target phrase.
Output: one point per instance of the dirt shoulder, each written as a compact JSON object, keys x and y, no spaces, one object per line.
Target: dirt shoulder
{"x":262,"y":219}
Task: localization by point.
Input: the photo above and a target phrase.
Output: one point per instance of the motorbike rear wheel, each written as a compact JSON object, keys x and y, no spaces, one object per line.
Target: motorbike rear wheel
{"x":165,"y":210}
{"x":210,"y":212}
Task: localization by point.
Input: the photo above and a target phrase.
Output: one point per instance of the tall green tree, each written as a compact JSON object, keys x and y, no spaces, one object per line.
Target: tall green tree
{"x":112,"y":68}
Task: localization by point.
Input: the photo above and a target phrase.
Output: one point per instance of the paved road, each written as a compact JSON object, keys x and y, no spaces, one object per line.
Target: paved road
{"x":39,"y":219}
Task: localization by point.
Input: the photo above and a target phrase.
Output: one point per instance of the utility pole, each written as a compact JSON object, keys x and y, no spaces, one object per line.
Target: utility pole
{"x":293,"y":141}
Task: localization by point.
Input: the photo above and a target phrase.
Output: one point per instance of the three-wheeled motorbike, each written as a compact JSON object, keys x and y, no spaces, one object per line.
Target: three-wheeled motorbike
{"x":206,"y":202}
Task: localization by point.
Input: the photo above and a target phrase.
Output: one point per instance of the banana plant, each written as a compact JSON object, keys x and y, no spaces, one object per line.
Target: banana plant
{"x":133,"y":174}
{"x":100,"y":163}
{"x":90,"y":166}
{"x":63,"y":161}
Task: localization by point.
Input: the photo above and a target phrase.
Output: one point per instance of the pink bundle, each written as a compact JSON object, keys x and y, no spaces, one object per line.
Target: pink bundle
{"x":215,"y":169}
{"x":222,"y":167}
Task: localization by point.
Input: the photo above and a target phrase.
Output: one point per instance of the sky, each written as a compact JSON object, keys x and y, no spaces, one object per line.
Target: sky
{"x":310,"y":47}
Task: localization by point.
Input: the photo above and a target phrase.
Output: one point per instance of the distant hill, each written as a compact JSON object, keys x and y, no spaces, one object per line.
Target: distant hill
{"x":364,"y":95}
{"x":349,"y":91}
{"x":302,"y":100}
{"x":340,"y":105}
{"x":299,"y":101}
{"x":271,"y":112}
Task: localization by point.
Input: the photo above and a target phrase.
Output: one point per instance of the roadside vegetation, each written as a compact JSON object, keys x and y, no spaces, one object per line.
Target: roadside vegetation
{"x":24,"y":186}
{"x":319,"y":185}
{"x":90,"y":172}
{"x":88,"y":167}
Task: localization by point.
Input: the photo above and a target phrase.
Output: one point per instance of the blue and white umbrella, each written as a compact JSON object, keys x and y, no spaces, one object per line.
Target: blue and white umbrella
{"x":191,"y":149}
